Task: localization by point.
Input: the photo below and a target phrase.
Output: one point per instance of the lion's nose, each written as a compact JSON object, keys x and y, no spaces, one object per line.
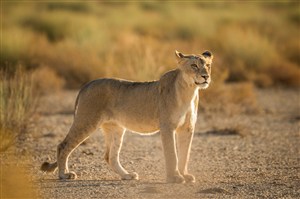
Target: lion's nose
{"x":205,"y":76}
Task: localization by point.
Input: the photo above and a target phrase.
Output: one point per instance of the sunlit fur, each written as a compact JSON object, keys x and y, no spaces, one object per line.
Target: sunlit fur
{"x":168,"y":105}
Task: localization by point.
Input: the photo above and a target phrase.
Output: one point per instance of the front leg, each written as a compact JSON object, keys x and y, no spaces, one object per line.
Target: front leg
{"x":184,"y":141}
{"x":169,"y":147}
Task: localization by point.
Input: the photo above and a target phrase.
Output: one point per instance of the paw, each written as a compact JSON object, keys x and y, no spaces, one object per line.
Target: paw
{"x":176,"y":179}
{"x":189,"y":178}
{"x":67,"y":176}
{"x":130,"y":176}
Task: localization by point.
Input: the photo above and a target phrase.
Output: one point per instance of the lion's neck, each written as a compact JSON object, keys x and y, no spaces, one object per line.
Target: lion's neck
{"x":185,"y":89}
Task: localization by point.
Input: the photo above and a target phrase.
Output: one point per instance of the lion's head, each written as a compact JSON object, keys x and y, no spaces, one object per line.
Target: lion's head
{"x":196,"y":68}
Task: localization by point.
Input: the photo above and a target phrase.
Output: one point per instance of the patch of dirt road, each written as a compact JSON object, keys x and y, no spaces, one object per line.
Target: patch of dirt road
{"x":232,"y":156}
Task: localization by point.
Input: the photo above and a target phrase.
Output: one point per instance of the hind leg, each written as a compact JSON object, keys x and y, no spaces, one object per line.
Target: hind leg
{"x":114,"y":138}
{"x":108,"y":141}
{"x":77,"y":134}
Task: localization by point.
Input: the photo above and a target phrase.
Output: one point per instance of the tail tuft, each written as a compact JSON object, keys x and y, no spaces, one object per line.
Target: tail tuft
{"x":47,"y":167}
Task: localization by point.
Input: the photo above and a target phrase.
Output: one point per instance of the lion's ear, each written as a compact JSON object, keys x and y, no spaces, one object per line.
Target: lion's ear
{"x":207,"y":54}
{"x":179,"y":54}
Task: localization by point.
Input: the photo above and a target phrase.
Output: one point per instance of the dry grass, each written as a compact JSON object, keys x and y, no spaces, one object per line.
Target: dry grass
{"x":16,"y":182}
{"x":287,"y":74}
{"x":84,"y":41}
{"x":45,"y":80}
{"x":17,"y":103}
{"x":231,"y":98}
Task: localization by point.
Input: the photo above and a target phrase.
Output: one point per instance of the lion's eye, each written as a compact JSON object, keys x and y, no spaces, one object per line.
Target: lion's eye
{"x":194,"y":66}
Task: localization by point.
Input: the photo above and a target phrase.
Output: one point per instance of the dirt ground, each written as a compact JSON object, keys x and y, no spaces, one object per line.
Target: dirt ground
{"x":233,"y":155}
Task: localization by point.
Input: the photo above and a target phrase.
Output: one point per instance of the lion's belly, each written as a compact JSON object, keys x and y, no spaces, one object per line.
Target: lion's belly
{"x":141,"y":127}
{"x":137,"y":122}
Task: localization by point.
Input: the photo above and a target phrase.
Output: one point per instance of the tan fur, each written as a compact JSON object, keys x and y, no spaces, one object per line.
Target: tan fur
{"x":168,"y":105}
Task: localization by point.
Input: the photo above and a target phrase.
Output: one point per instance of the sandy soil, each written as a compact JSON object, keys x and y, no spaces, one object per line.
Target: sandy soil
{"x":233,"y":155}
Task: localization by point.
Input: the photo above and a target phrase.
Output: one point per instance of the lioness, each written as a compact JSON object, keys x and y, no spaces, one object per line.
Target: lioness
{"x":168,"y":105}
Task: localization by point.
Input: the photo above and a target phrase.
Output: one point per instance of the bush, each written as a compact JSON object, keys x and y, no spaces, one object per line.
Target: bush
{"x":17,"y":104}
{"x":245,"y":50}
{"x":52,"y":83}
{"x":286,"y":74}
{"x":229,"y":98}
{"x":54,"y":28}
{"x":72,"y":6}
{"x":15,"y":45}
{"x":250,"y":56}
{"x":82,"y":41}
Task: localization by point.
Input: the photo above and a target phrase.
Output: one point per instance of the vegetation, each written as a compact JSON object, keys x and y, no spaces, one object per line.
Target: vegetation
{"x":17,"y":103}
{"x":79,"y":41}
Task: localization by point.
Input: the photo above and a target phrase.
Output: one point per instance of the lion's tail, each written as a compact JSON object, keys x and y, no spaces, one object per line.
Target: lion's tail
{"x":48,"y":167}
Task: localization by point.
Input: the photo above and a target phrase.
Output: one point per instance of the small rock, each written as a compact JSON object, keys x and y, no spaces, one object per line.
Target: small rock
{"x":87,"y":152}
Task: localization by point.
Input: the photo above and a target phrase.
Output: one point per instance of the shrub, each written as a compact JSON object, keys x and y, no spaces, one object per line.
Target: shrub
{"x":82,"y":41}
{"x":54,"y":28}
{"x":17,"y":104}
{"x":245,"y":50}
{"x":72,"y":6}
{"x":138,"y":59}
{"x":14,"y":47}
{"x":291,"y":49}
{"x":46,"y":80}
{"x":286,"y":74}
{"x":230,"y":98}
{"x":68,"y":60}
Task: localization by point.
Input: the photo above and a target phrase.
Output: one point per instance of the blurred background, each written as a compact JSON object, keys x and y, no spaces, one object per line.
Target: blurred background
{"x":50,"y":46}
{"x":67,"y":44}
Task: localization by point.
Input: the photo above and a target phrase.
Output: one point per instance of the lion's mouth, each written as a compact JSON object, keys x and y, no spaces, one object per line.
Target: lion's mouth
{"x":203,"y":83}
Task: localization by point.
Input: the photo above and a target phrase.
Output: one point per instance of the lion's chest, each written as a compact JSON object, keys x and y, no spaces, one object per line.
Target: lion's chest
{"x":187,"y":113}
